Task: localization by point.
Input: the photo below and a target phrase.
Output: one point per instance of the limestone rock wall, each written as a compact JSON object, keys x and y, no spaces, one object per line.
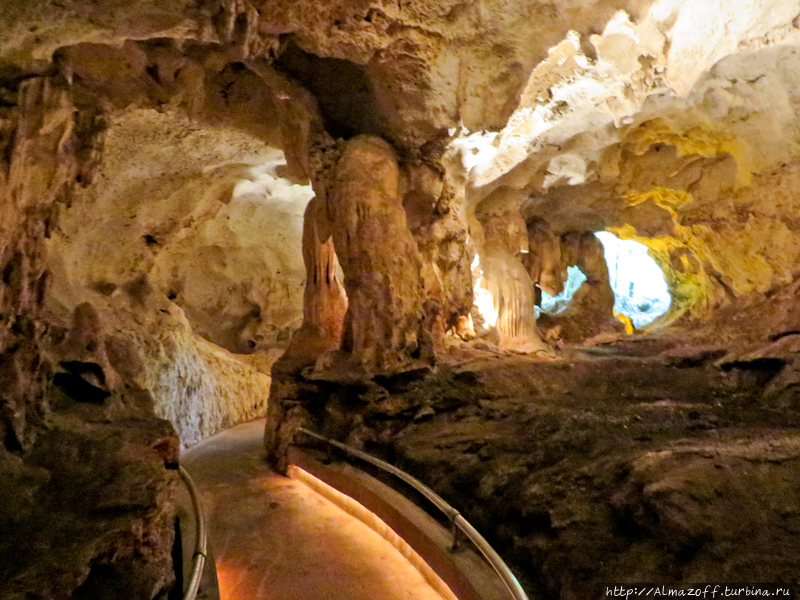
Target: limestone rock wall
{"x":435,"y":217}
{"x":187,"y":211}
{"x":70,"y":407}
{"x":188,"y":223}
{"x":43,"y":136}
{"x":199,"y":387}
{"x":93,"y":189}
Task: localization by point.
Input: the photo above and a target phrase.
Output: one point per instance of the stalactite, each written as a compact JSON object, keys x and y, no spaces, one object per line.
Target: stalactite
{"x":324,"y":299}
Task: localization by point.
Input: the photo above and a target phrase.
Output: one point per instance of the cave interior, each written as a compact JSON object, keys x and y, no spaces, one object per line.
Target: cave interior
{"x":542,"y":254}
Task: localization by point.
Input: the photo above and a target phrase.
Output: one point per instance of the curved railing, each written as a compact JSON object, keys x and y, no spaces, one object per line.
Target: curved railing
{"x":201,"y":540}
{"x":458,"y":522}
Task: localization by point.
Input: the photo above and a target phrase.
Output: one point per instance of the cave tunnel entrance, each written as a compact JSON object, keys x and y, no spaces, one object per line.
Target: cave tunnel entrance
{"x":553,"y":305}
{"x":640,"y":290}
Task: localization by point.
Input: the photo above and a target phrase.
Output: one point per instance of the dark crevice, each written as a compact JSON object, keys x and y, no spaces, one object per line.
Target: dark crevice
{"x":762,"y":369}
{"x":783,"y":334}
{"x":697,"y":360}
{"x":176,"y":593}
{"x":83,"y":382}
{"x":342,"y":88}
{"x":152,"y":71}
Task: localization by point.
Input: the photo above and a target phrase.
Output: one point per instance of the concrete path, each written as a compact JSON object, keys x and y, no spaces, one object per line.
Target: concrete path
{"x":274,"y":538}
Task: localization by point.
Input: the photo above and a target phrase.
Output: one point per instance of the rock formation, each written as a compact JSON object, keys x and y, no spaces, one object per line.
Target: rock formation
{"x":384,"y":324}
{"x":324,"y":299}
{"x":83,"y":459}
{"x":505,"y":242}
{"x":591,"y":309}
{"x":373,"y":192}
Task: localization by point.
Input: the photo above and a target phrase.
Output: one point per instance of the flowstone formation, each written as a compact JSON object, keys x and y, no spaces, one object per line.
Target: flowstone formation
{"x":507,"y":281}
{"x":383,"y":328}
{"x":374,"y":192}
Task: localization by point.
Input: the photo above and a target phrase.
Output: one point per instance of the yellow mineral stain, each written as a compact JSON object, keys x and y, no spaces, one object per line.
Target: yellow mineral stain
{"x":694,"y":135}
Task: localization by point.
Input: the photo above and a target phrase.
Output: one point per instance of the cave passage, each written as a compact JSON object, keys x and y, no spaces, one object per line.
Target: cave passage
{"x":339,"y":216}
{"x":556,"y":304}
{"x":640,"y":290}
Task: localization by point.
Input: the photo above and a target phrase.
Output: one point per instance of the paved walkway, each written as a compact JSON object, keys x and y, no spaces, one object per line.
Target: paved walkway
{"x":274,"y":538}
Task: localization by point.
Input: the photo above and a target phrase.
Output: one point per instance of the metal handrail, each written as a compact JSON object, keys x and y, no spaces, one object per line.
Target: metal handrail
{"x":201,"y":540}
{"x":455,"y":517}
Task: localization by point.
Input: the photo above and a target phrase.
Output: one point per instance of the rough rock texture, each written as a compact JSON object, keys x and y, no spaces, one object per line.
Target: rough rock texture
{"x":47,"y":149}
{"x":199,"y":387}
{"x":147,"y":221}
{"x":384,"y":328}
{"x":87,"y":512}
{"x":324,"y":299}
{"x":239,"y":276}
{"x":200,"y":214}
{"x":436,"y":220}
{"x":66,"y":528}
{"x":504,"y":241}
{"x":591,"y":310}
{"x":640,"y":461}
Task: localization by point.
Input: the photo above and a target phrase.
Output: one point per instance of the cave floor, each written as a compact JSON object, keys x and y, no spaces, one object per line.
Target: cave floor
{"x":641,"y":461}
{"x":273,"y":537}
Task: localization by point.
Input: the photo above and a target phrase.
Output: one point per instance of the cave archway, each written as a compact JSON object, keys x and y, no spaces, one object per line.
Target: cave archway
{"x":640,"y":290}
{"x":558,"y":303}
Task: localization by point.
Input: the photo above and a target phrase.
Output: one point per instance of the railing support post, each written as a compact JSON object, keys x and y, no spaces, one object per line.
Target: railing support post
{"x":455,"y":529}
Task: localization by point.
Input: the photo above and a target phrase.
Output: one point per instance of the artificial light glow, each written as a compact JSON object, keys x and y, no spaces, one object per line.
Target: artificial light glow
{"x":483,"y":299}
{"x":376,"y":524}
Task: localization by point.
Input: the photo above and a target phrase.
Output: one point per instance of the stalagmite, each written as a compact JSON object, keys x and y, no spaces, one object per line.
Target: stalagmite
{"x":385,"y":328}
{"x":324,"y":299}
{"x":505,"y":240}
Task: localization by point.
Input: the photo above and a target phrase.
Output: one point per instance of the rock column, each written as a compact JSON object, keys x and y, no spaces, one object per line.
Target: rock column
{"x":324,"y":299}
{"x":385,"y":328}
{"x":505,"y":239}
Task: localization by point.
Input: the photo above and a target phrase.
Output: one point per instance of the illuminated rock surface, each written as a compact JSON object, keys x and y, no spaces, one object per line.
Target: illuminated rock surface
{"x":160,"y":250}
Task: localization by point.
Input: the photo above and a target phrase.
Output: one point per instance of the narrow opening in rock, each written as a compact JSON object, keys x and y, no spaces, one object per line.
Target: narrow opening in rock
{"x":555,"y":304}
{"x":640,"y":290}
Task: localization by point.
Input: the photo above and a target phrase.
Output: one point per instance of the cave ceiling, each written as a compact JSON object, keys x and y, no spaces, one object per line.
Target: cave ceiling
{"x":672,"y":122}
{"x":537,"y":91}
